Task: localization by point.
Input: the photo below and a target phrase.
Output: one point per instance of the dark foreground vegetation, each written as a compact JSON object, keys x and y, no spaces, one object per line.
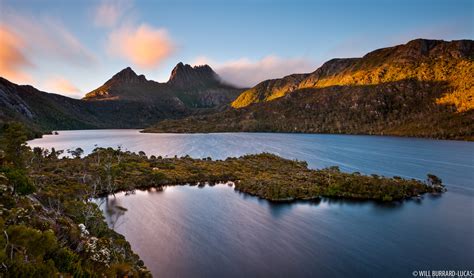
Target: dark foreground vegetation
{"x":50,"y":226}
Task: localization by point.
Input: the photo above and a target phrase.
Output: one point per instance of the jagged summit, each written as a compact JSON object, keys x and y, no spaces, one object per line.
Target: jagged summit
{"x":197,"y":86}
{"x":112,"y":88}
{"x":184,"y":75}
{"x":127,"y":75}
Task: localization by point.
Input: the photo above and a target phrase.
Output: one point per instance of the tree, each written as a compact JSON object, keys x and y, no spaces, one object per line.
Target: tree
{"x":54,"y":154}
{"x":13,"y":143}
{"x":37,"y":157}
{"x":20,"y":181}
{"x":433,"y":180}
{"x":77,"y":153}
{"x":109,"y":174}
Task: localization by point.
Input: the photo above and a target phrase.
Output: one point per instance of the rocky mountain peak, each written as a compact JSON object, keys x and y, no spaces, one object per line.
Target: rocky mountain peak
{"x":127,"y":75}
{"x":184,"y":75}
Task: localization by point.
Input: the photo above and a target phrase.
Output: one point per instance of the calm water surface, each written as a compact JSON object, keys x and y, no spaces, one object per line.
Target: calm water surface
{"x":187,"y":231}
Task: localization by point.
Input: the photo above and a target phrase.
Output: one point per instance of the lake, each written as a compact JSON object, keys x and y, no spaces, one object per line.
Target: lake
{"x":186,"y":231}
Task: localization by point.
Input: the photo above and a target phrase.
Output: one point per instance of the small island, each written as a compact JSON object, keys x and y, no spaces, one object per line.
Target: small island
{"x":51,"y":225}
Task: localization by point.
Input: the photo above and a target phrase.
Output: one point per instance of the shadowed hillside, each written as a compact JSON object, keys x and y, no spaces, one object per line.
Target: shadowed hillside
{"x":423,"y":88}
{"x":423,"y":60}
{"x":127,"y":100}
{"x":188,"y":87}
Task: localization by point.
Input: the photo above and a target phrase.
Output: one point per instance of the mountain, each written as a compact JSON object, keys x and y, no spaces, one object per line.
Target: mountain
{"x":424,"y":60}
{"x":200,"y":86}
{"x":422,"y":88}
{"x":185,"y":76}
{"x":188,"y":87}
{"x":41,"y":111}
{"x":126,"y":100}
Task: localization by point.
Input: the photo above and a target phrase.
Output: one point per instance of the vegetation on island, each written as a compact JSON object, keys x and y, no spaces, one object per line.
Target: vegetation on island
{"x":50,"y":225}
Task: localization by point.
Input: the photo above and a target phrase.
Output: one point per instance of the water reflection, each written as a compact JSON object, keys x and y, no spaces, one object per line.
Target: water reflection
{"x":183,"y":231}
{"x":205,"y":231}
{"x":114,"y":212}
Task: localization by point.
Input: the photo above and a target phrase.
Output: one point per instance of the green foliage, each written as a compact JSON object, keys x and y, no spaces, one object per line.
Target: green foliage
{"x":387,"y":198}
{"x":264,"y":175}
{"x":434,"y":180}
{"x":58,"y":230}
{"x":27,"y":250}
{"x":13,"y":142}
{"x":436,"y":183}
{"x":20,"y":181}
{"x":32,"y":269}
{"x":31,"y":242}
{"x":67,"y":261}
{"x":76,"y":153}
{"x":41,"y":235}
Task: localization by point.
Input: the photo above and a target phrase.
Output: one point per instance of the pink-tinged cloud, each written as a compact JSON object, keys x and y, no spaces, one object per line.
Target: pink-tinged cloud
{"x":109,"y":12}
{"x":13,"y":62}
{"x":144,"y":46}
{"x":47,"y":38}
{"x":247,"y":73}
{"x":62,"y":86}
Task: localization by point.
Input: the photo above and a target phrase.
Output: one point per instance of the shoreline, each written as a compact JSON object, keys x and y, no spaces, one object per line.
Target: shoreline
{"x":145,"y":130}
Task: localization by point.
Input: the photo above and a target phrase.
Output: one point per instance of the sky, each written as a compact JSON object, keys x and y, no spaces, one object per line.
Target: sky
{"x":73,"y":47}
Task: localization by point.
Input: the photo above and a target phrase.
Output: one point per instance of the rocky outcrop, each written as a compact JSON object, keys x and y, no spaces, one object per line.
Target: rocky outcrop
{"x":185,"y":76}
{"x":187,"y":88}
{"x":423,"y":88}
{"x":127,"y":100}
{"x":420,"y":59}
{"x":127,"y":75}
{"x":11,"y":101}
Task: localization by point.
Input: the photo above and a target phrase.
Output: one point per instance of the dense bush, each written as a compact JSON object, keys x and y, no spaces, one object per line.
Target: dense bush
{"x":20,"y":181}
{"x":41,"y":233}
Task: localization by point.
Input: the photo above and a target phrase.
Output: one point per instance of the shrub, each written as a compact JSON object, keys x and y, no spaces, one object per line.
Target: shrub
{"x":20,"y":181}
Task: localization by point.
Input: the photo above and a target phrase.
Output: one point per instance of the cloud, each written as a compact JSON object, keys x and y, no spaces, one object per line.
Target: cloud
{"x":202,"y":60}
{"x":12,"y":59}
{"x":144,"y":46}
{"x":247,"y":73}
{"x":108,"y":13}
{"x":47,"y":38}
{"x":63,"y":86}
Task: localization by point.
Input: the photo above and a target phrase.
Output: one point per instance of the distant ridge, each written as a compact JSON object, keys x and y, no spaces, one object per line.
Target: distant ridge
{"x":422,"y":88}
{"x":126,"y":100}
{"x":192,"y":87}
{"x":379,"y":66}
